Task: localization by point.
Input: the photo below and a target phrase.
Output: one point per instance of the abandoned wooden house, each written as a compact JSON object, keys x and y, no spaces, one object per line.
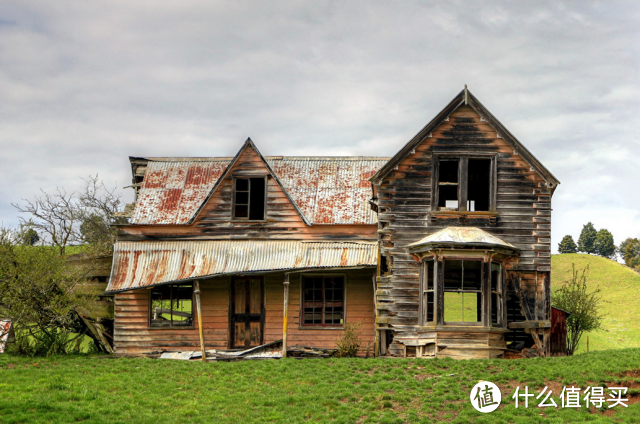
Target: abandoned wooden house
{"x":442,"y":250}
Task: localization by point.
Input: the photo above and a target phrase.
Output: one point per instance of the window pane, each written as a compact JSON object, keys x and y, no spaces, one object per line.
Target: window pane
{"x":495,"y":276}
{"x":242,"y":198}
{"x":472,"y":275}
{"x":495,"y":300}
{"x":182,"y":305}
{"x":257,"y":199}
{"x":429,"y":306}
{"x":242,"y":211}
{"x":160,"y":307}
{"x":452,"y":274}
{"x":479,"y":183}
{"x":462,"y":307}
{"x":448,"y":193}
{"x":472,"y":307}
{"x":323,"y":294}
{"x":448,"y":171}
{"x":453,"y":307}
{"x":242,"y":184}
{"x":428,"y":275}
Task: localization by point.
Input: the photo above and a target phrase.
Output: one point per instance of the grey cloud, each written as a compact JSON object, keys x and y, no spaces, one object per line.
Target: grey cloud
{"x":84,"y":85}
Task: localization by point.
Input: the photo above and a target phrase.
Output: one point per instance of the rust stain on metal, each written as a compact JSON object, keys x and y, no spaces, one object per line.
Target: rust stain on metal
{"x":144,"y":264}
{"x":328,"y":190}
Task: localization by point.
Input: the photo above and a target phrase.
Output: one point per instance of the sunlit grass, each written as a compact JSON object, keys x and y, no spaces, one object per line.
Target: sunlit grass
{"x":98,"y":389}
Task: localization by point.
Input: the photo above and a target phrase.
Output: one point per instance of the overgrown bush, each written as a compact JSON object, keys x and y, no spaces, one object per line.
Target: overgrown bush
{"x":38,"y":293}
{"x":349,"y":342}
{"x":583,"y":306}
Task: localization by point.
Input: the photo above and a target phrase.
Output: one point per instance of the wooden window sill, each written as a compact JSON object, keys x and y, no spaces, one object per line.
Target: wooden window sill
{"x":319,"y":327}
{"x":172,"y":328}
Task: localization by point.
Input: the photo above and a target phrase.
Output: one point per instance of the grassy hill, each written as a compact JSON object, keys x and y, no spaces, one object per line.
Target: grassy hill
{"x":621,"y":291}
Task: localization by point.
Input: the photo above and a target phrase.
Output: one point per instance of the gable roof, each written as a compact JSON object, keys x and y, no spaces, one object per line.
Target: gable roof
{"x":324,"y":190}
{"x":466,"y":98}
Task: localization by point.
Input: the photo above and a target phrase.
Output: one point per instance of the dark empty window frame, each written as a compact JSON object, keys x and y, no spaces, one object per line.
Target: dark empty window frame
{"x":464,"y":182}
{"x":171,"y":306}
{"x":323,"y":300}
{"x":249,"y":198}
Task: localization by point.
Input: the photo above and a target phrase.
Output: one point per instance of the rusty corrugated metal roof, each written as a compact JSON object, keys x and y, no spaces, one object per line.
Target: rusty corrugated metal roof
{"x":327,"y":190}
{"x":145,"y":264}
{"x":330,"y":190}
{"x":172,"y":191}
{"x":460,"y":237}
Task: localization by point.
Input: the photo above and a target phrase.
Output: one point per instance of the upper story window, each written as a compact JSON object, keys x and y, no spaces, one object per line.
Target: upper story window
{"x":249,"y":198}
{"x":464,"y":183}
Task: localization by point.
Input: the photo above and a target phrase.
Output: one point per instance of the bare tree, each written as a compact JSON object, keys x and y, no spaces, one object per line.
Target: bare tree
{"x":66,"y":218}
{"x":56,"y":215}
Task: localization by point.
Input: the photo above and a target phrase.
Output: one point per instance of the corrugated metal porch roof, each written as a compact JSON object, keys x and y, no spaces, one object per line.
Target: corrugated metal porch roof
{"x":145,"y":264}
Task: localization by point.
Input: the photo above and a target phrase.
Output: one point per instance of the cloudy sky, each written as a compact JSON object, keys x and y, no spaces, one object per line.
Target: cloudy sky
{"x":84,"y":85}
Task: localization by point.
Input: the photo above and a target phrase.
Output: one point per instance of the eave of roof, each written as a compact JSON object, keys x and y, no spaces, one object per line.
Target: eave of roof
{"x":466,"y":98}
{"x":460,"y":237}
{"x":151,"y":263}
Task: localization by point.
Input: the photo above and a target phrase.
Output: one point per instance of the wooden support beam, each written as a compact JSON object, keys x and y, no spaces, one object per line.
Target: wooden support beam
{"x":196,"y":291}
{"x":376,"y":332}
{"x":285,"y":315}
{"x":530,"y":324}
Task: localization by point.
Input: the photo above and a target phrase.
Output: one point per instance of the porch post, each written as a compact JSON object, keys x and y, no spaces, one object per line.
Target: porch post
{"x":197,"y":293}
{"x":285,"y":316}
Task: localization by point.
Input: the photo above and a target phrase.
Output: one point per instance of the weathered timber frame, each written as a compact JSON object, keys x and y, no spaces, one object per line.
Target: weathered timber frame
{"x":463,"y":158}
{"x":301,"y":324}
{"x":233,"y":204}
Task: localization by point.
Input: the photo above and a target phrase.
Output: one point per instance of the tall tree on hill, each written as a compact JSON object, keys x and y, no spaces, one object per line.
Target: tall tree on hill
{"x":587,"y":240}
{"x":567,"y":245}
{"x":630,"y":252}
{"x":604,"y":244}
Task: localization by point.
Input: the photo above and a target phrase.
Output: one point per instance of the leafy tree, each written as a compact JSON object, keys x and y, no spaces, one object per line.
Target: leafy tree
{"x":587,"y":239}
{"x":584,"y":307}
{"x":604,"y":244}
{"x":629,"y":250}
{"x":567,"y":245}
{"x":37,"y":292}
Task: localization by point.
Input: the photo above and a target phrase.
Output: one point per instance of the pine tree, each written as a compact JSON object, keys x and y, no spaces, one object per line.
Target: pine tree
{"x":604,"y":244}
{"x":567,"y":245}
{"x":587,"y":239}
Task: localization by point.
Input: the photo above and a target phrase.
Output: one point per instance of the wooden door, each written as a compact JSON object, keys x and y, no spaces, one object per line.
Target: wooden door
{"x":247,"y":312}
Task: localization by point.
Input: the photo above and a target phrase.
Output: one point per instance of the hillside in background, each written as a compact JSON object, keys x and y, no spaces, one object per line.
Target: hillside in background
{"x":621,"y":292}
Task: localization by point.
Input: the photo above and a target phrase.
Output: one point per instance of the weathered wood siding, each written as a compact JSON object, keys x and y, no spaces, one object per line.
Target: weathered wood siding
{"x":133,"y":336}
{"x":523,"y":215}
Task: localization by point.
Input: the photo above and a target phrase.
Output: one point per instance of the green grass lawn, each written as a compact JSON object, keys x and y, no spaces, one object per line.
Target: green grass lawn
{"x":96,"y":389}
{"x":621,"y":291}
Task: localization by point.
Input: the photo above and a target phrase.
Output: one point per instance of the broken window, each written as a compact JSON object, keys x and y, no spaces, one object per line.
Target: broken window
{"x":323,"y":300}
{"x":463,"y":184}
{"x":428,"y":293}
{"x":496,"y":294}
{"x":249,"y":198}
{"x":462,"y":291}
{"x":171,"y":306}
